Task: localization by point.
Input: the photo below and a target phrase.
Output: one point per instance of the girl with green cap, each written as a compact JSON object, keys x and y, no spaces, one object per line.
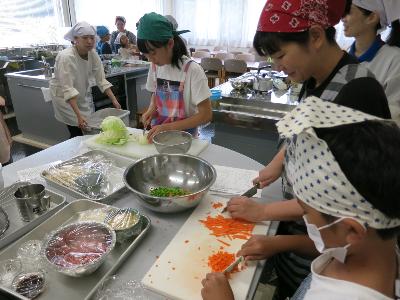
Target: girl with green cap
{"x":180,"y":99}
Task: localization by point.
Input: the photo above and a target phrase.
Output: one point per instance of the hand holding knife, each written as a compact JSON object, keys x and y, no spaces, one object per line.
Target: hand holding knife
{"x":249,"y":193}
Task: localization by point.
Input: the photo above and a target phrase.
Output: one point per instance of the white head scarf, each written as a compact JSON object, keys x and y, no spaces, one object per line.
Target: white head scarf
{"x":118,"y":38}
{"x":388,"y":10}
{"x":173,"y":21}
{"x":80,"y":29}
{"x":313,"y":170}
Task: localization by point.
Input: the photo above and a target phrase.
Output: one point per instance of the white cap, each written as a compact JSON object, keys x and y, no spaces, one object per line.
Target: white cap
{"x":388,"y":10}
{"x":80,"y":29}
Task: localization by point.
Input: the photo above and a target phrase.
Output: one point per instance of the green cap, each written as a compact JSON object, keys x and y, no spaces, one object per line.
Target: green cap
{"x":155,"y":27}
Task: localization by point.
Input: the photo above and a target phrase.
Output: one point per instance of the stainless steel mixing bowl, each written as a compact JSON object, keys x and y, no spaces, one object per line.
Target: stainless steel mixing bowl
{"x":173,"y":141}
{"x":190,"y":173}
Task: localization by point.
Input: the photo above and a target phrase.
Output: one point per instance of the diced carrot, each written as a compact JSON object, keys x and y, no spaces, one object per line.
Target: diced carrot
{"x":228,"y":227}
{"x":225,"y":243}
{"x":219,"y":261}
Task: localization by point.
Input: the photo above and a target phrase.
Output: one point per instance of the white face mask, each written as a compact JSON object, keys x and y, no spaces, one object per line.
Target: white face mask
{"x":314,"y":233}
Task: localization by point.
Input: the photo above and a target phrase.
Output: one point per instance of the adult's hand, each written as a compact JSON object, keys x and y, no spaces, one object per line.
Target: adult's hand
{"x":116,"y":104}
{"x":82,"y":123}
{"x":241,"y":207}
{"x":216,"y":287}
{"x":260,"y":247}
{"x":146,"y":118}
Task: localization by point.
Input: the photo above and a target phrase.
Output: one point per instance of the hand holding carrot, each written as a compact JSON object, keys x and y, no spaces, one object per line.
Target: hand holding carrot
{"x":260,"y":247}
{"x":216,"y":287}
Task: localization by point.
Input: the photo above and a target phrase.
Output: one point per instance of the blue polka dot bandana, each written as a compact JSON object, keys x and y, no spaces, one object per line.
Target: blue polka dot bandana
{"x":314,"y":172}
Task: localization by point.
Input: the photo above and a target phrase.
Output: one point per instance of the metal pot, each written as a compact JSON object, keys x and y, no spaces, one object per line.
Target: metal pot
{"x":262,"y":84}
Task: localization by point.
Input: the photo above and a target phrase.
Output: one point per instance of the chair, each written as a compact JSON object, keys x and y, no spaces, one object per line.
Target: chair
{"x":234,"y":68}
{"x":213,"y":68}
{"x":223,"y":56}
{"x":246,"y":57}
{"x":205,"y":50}
{"x":201,"y":54}
{"x":219,"y":48}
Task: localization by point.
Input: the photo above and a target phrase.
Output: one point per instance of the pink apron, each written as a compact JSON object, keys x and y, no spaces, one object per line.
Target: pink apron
{"x":169,"y":100}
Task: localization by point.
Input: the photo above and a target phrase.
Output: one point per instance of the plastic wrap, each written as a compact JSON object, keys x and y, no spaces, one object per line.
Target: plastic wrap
{"x":87,"y":174}
{"x":8,"y":270}
{"x":29,"y":254}
{"x":29,"y":284}
{"x":80,"y":248}
{"x":113,"y":288}
{"x":96,"y":215}
{"x":126,"y":222}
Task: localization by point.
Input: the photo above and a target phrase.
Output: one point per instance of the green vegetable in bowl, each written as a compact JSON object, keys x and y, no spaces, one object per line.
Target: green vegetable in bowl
{"x":114,"y":131}
{"x":164,"y":191}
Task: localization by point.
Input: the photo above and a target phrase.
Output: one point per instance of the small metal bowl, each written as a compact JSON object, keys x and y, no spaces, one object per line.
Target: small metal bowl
{"x":126,"y":223}
{"x":172,"y":142}
{"x":190,"y":173}
{"x":61,"y":248}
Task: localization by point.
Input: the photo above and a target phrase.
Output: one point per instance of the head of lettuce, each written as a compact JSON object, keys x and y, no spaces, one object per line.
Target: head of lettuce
{"x":114,"y":132}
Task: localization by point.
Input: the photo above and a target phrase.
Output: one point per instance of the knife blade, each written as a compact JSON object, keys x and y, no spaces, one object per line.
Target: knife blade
{"x":249,"y":193}
{"x":233,"y":265}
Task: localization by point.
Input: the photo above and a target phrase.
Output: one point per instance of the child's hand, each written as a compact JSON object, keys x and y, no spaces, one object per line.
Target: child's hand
{"x":269,"y":174}
{"x":260,"y":247}
{"x":241,"y":207}
{"x":216,"y":287}
{"x":156,"y":129}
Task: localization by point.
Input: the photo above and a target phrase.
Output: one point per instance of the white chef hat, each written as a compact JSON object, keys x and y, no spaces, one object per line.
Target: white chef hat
{"x":80,"y":29}
{"x":314,"y":172}
{"x":388,"y":10}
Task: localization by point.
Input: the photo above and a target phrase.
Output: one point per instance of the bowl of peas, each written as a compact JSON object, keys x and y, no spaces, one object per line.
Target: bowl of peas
{"x":170,"y":183}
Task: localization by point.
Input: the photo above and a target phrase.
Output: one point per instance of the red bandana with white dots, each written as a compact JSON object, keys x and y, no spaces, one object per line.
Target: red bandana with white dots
{"x":299,"y":15}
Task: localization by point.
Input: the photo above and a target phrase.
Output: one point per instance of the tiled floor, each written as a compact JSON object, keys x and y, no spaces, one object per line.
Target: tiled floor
{"x":18,"y":150}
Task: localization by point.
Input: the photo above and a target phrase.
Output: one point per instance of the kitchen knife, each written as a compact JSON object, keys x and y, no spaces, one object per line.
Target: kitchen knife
{"x":233,"y":265}
{"x":249,"y":193}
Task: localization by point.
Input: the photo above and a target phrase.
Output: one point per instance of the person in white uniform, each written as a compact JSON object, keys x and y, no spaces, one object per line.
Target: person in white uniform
{"x":77,"y":69}
{"x":347,"y":192}
{"x":364,"y":21}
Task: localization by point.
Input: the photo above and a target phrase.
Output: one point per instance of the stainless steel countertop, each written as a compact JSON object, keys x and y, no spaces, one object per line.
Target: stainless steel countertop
{"x":250,"y":109}
{"x":164,"y":226}
{"x":38,"y":74}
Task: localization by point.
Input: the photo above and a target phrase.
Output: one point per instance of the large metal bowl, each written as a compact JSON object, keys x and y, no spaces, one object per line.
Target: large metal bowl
{"x":64,"y":247}
{"x":172,"y":142}
{"x":188,"y":172}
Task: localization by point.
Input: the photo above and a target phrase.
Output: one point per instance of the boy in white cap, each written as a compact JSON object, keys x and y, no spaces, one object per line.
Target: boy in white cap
{"x":74,"y":69}
{"x":343,"y":167}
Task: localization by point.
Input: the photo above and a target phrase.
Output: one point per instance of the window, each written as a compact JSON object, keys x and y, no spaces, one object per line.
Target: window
{"x":103,"y":12}
{"x":24,"y":23}
{"x":230,"y":23}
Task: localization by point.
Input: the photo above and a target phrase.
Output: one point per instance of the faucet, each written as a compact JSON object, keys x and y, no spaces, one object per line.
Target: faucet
{"x":47,"y":68}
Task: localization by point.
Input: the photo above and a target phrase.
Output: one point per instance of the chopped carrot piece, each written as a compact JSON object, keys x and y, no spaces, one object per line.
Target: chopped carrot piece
{"x":217,"y":205}
{"x":225,"y":243}
{"x":228,"y":227}
{"x":219,"y":261}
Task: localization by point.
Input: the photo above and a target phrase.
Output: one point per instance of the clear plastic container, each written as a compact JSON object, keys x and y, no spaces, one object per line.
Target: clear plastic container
{"x":94,"y":121}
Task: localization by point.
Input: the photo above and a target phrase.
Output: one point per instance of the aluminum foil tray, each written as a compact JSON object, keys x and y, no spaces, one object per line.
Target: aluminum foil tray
{"x":117,"y":169}
{"x":60,"y":286}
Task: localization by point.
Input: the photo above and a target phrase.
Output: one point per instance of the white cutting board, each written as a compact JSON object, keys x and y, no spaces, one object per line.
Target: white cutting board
{"x":178,"y":272}
{"x":136,"y":151}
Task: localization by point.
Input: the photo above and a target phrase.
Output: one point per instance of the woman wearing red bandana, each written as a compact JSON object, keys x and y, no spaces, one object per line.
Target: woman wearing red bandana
{"x":300,"y":37}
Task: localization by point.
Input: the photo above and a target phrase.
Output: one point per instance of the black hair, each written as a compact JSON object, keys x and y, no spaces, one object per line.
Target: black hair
{"x":347,"y":7}
{"x":268,"y":43}
{"x":179,"y":50}
{"x":367,"y":12}
{"x":368,"y":155}
{"x":394,"y":37}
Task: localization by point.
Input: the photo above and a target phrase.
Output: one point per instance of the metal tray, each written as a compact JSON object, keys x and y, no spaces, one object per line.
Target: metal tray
{"x":64,"y":287}
{"x":17,"y":227}
{"x":119,"y":161}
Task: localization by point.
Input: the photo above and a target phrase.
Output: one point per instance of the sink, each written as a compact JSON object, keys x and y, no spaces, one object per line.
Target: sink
{"x":34,"y":74}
